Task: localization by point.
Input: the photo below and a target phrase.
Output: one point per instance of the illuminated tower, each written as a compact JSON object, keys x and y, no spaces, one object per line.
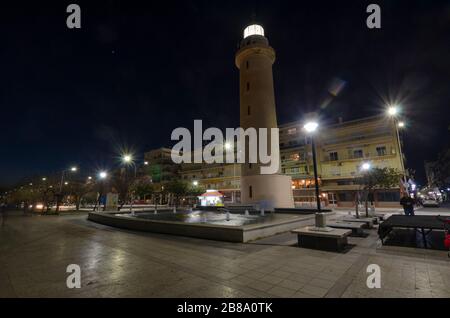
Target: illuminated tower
{"x":254,"y":60}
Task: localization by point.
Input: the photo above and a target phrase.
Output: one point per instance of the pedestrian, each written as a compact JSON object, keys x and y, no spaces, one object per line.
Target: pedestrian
{"x":408,"y":204}
{"x":3,"y":212}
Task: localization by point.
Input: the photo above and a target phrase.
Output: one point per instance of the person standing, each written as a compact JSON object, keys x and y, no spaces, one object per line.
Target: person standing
{"x":408,"y":204}
{"x":3,"y":212}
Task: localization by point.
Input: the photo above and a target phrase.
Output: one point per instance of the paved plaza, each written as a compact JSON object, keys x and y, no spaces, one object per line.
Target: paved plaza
{"x":35,"y":251}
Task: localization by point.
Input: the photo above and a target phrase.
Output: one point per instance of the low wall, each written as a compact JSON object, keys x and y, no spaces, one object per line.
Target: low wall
{"x":238,"y":234}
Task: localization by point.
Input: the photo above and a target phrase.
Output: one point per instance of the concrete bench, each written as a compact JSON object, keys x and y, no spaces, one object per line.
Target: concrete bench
{"x":357,"y":228}
{"x":368,"y":222}
{"x":334,"y":240}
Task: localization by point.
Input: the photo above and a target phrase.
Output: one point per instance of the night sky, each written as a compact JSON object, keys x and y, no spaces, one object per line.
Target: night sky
{"x":137,"y":70}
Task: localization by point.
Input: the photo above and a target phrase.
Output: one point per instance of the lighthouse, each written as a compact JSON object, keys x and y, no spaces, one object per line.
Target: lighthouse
{"x":254,"y":59}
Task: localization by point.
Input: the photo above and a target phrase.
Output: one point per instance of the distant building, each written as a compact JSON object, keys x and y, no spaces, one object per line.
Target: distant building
{"x":159,"y":165}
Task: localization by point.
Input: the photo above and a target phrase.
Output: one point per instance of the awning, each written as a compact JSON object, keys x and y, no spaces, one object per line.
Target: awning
{"x":212,"y":194}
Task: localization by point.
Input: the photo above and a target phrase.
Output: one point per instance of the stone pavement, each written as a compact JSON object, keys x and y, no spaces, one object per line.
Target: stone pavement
{"x":35,"y":251}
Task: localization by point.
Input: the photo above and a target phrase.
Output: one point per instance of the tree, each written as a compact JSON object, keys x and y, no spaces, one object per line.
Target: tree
{"x":122,"y":180}
{"x":377,"y":178}
{"x":142,"y":187}
{"x":78,"y":189}
{"x":178,"y":189}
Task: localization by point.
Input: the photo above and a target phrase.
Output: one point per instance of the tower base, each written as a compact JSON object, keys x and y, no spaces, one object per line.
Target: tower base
{"x":270,"y":190}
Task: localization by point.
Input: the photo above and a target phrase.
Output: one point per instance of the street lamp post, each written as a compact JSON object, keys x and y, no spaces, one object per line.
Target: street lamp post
{"x":310,"y":128}
{"x":59,"y":198}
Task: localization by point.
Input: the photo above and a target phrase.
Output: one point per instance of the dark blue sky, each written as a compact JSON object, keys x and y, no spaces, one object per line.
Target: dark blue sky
{"x":135,"y":71}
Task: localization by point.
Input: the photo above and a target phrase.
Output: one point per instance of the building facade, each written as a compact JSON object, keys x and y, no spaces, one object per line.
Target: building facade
{"x":342,"y":149}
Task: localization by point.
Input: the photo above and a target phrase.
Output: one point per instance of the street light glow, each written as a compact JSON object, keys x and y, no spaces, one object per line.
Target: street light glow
{"x":393,"y":110}
{"x":73,"y":169}
{"x":228,"y":146}
{"x":366,"y":166}
{"x":102,"y":175}
{"x":311,"y":126}
{"x":195,"y":183}
{"x":44,"y":179}
{"x":146,"y":163}
{"x":401,"y":124}
{"x":127,"y":158}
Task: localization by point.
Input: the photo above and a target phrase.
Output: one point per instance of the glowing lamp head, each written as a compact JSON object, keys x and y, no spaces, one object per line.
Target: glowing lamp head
{"x":401,"y":125}
{"x":366,"y":166}
{"x":102,"y":175}
{"x":127,"y":158}
{"x":254,"y":29}
{"x":73,"y":169}
{"x":195,"y":183}
{"x":393,"y":110}
{"x":311,"y":126}
{"x":227,"y":146}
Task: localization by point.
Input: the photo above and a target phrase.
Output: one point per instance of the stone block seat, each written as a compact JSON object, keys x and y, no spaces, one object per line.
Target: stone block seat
{"x":356,"y":227}
{"x":333,"y":240}
{"x":368,"y":222}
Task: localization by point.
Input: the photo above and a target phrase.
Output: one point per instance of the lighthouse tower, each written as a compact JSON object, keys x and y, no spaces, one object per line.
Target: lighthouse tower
{"x":254,"y":59}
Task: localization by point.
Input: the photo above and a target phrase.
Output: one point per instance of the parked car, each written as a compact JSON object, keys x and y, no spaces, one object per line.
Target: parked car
{"x":430,"y":203}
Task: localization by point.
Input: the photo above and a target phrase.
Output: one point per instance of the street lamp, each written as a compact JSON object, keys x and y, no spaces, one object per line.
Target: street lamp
{"x":393,"y":110}
{"x":127,"y":158}
{"x":195,"y":183}
{"x":366,"y":166}
{"x":102,"y":174}
{"x":311,"y":127}
{"x":228,"y":146}
{"x":72,"y":169}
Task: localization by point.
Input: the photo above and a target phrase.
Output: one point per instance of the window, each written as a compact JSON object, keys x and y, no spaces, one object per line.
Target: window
{"x":346,"y":196}
{"x":357,"y":153}
{"x":388,"y":196}
{"x":295,"y":170}
{"x":248,"y":64}
{"x":334,"y":156}
{"x":250,"y":192}
{"x":292,"y":131}
{"x":248,"y":110}
{"x":381,"y":151}
{"x":248,"y":86}
{"x":295,"y":157}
